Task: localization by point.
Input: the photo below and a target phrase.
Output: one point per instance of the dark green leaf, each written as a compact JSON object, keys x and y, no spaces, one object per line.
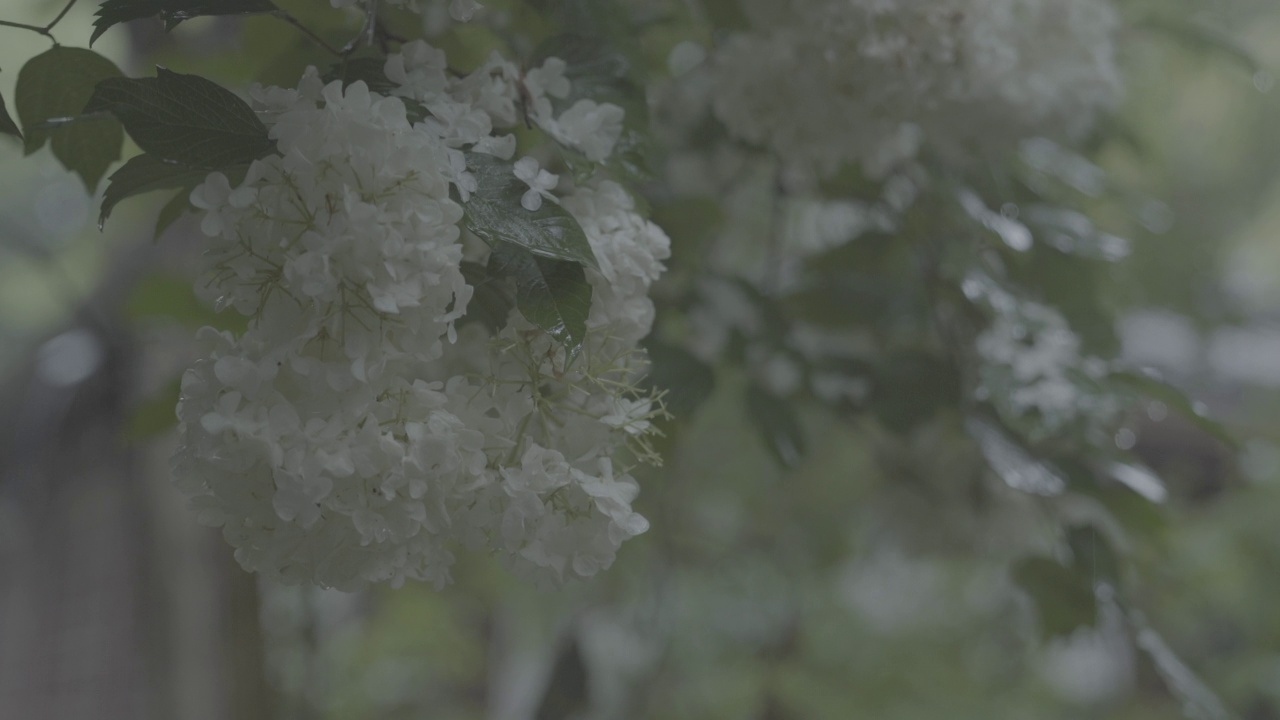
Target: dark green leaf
{"x":143,"y":174}
{"x":155,"y":416}
{"x":1138,"y":515}
{"x":1140,"y":480}
{"x":552,"y":294}
{"x":7,"y":125}
{"x":1073,"y":233}
{"x":112,"y":12}
{"x":184,"y":119}
{"x":56,"y":84}
{"x":179,"y":204}
{"x":493,"y":299}
{"x":1153,"y":388}
{"x":687,"y":380}
{"x":1012,"y":462}
{"x":910,"y":387}
{"x":778,"y":423}
{"x":172,"y":12}
{"x":1064,"y":597}
{"x":495,"y":215}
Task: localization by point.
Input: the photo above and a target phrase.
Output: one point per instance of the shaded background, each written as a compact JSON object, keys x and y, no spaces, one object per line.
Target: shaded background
{"x":826,"y":592}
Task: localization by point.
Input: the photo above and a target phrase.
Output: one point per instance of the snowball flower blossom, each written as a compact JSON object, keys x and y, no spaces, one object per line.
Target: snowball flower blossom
{"x":361,"y":429}
{"x":825,"y":82}
{"x":1033,"y":370}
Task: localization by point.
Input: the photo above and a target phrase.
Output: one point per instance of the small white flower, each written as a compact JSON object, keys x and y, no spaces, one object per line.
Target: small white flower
{"x":540,"y":183}
{"x":543,"y":83}
{"x":631,"y":416}
{"x":593,"y":128}
{"x":419,"y":70}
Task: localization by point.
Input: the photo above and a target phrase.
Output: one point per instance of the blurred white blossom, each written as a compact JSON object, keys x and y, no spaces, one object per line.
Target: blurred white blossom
{"x":355,"y":433}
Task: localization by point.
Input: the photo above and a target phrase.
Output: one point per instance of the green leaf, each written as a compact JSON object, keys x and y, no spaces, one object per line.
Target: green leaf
{"x":1073,"y":233}
{"x":1197,"y":699}
{"x":1137,"y":514}
{"x":7,"y":125}
{"x":1012,"y":462}
{"x":172,"y":12}
{"x":493,"y":299}
{"x":778,"y":423}
{"x":1150,"y":387}
{"x":495,"y":215}
{"x":687,"y":380}
{"x":1140,"y":480}
{"x":155,"y":416}
{"x":1064,"y":597}
{"x":56,"y":84}
{"x":178,"y":205}
{"x":143,"y":174}
{"x":184,"y":119}
{"x":552,"y":294}
{"x":909,"y":387}
{"x":113,"y":12}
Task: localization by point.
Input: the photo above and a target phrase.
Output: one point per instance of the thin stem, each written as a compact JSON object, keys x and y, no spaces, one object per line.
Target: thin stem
{"x":366,"y":34}
{"x":24,"y":26}
{"x":65,"y":9}
{"x":281,"y":14}
{"x":43,"y":30}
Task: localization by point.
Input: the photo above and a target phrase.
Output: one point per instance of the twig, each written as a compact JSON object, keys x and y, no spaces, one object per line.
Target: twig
{"x":63,"y":13}
{"x":46,"y":30}
{"x":367,"y":33}
{"x":281,"y":14}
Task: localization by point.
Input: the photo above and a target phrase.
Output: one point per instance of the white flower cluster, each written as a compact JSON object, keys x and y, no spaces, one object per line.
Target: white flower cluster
{"x":362,"y":429}
{"x":499,"y":94}
{"x":824,"y":82}
{"x":1033,"y":371}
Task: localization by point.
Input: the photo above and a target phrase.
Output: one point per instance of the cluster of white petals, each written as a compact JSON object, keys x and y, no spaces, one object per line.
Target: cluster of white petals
{"x":1033,"y":371}
{"x":363,"y":429}
{"x":825,"y":82}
